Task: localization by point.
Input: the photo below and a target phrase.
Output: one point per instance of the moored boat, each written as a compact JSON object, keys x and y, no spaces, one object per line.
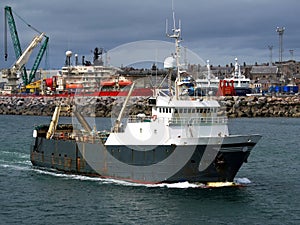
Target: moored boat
{"x":236,"y":85}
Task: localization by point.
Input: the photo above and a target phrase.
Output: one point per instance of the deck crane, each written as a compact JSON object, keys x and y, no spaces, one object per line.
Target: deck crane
{"x":9,"y":20}
{"x":12,"y":73}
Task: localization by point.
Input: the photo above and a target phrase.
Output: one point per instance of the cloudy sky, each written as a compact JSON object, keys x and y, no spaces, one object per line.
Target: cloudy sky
{"x":218,"y":30}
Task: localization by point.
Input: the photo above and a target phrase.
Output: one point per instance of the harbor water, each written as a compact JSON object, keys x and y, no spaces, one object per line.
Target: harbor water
{"x":270,"y":192}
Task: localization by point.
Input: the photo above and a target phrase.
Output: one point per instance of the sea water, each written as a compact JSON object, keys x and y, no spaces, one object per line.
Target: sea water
{"x":270,"y":192}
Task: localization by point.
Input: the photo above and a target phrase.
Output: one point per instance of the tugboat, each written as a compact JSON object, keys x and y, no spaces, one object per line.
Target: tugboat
{"x":184,"y":139}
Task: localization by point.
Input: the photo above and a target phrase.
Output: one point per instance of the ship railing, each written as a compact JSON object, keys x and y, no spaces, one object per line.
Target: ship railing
{"x":213,"y":120}
{"x":139,"y":119}
{"x":94,"y":137}
{"x":220,"y":120}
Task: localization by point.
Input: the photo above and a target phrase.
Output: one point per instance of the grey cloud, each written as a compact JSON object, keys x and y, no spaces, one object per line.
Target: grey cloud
{"x":216,"y":30}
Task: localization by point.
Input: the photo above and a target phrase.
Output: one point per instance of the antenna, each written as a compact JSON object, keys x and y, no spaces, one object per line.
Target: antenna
{"x":176,"y":34}
{"x":167,"y":27}
{"x":174,"y":23}
{"x":173,"y":12}
{"x":175,"y":31}
{"x":236,"y":68}
{"x":179,"y":24}
{"x":208,"y":72}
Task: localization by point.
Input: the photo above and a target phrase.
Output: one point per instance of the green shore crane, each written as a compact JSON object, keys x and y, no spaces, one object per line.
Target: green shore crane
{"x":10,"y":21}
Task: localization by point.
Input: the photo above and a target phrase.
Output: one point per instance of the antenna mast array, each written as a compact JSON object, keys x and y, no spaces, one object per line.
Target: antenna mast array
{"x":175,"y":34}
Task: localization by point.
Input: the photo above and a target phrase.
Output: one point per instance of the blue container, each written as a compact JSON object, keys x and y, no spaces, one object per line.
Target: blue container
{"x":286,"y":89}
{"x":295,"y":89}
{"x":272,"y":89}
{"x":277,"y":89}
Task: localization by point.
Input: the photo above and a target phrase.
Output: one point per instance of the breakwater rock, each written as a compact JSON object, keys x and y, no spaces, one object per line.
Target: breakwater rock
{"x":261,"y":106}
{"x":37,"y":106}
{"x":253,"y":106}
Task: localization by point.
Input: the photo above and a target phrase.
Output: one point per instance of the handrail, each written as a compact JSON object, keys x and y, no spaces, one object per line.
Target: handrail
{"x":198,"y":120}
{"x":181,"y":120}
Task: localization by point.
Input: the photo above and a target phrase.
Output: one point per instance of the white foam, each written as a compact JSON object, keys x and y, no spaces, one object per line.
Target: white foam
{"x":243,"y":180}
{"x":56,"y":173}
{"x":15,"y":167}
{"x":16,"y":154}
{"x":5,"y":163}
{"x":179,"y":185}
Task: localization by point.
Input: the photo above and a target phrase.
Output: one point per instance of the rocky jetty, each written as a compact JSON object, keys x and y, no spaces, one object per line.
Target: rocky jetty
{"x":261,"y":106}
{"x":253,"y":106}
{"x":37,"y":106}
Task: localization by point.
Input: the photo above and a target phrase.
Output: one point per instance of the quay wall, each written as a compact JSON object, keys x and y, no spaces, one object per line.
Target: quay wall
{"x":234,"y":106}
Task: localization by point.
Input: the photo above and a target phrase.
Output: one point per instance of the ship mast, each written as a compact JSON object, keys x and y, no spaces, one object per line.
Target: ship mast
{"x":208,"y":73}
{"x":176,"y":34}
{"x":237,"y":72}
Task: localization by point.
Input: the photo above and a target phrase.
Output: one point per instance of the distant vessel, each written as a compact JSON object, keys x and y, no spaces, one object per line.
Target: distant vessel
{"x":87,"y":79}
{"x":240,"y":82}
{"x":184,"y":139}
{"x":91,"y":80}
{"x":208,"y":85}
{"x":211,"y":84}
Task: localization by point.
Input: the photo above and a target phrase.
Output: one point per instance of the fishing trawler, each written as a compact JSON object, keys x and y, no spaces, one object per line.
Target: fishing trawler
{"x":184,"y":139}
